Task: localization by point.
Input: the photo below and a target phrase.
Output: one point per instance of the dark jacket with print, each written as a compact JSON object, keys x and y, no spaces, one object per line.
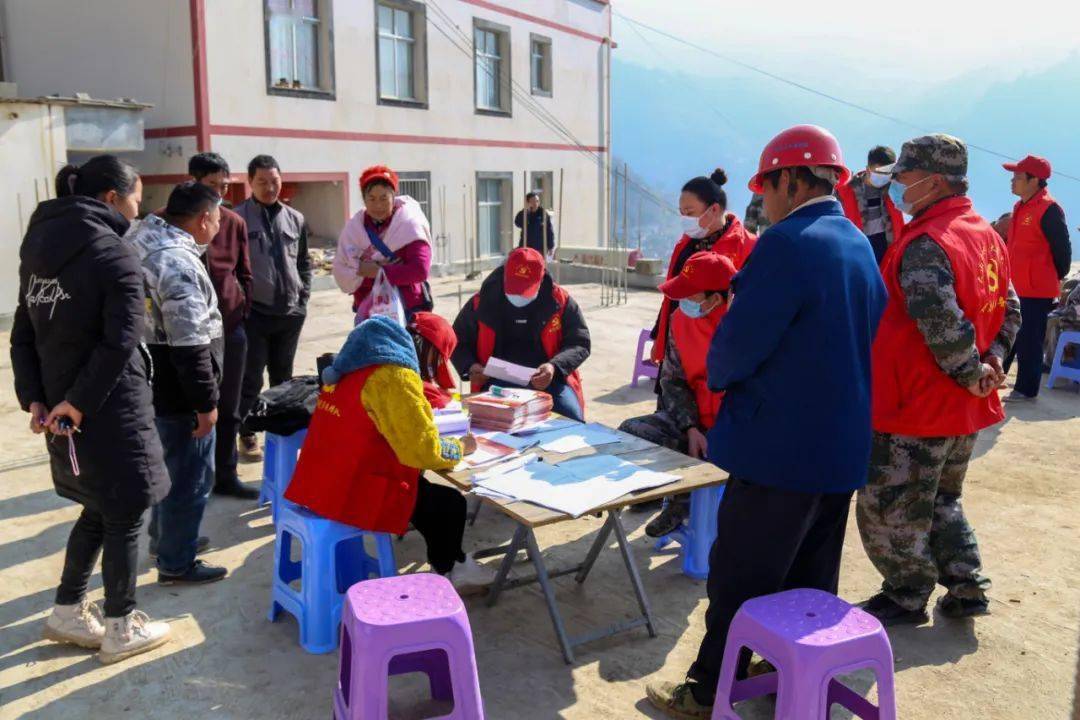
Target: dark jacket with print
{"x":76,"y":337}
{"x":280,"y":266}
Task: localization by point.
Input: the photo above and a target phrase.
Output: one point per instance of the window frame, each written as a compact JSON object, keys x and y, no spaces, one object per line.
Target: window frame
{"x":502,"y":34}
{"x":415,"y":175}
{"x":506,"y":220}
{"x":537,"y":90}
{"x":325,"y":10}
{"x":418,"y":10}
{"x":547,"y":197}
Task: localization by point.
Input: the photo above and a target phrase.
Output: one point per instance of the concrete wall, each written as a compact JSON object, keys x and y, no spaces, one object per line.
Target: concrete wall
{"x":137,"y":49}
{"x":31,"y":141}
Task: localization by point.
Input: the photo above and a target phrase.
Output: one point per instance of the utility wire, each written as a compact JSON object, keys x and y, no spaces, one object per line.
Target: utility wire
{"x":811,"y":90}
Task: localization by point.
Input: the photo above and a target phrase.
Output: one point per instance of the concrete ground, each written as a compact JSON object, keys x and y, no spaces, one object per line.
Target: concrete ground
{"x":227,"y":661}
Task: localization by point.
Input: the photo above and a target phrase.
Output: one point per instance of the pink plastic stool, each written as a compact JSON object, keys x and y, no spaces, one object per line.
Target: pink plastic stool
{"x":643,"y":366}
{"x":403,"y":624}
{"x":810,"y":637}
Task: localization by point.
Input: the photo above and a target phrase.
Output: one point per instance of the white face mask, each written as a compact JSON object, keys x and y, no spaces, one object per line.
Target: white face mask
{"x":519,"y":301}
{"x":879,"y":180}
{"x":692,"y":228}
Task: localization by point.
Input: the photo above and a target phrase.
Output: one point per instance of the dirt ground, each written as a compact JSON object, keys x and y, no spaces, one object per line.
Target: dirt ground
{"x":227,"y":661}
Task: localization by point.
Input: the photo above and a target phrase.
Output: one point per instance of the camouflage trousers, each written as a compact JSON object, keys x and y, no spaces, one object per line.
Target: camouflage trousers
{"x":659,"y":428}
{"x":912,"y":523}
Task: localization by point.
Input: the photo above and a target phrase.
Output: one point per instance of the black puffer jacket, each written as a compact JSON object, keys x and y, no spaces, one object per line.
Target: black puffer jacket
{"x":76,"y":337}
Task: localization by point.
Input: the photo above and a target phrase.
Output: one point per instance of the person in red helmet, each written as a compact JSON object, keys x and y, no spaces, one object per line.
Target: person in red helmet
{"x":1040,"y":255}
{"x":687,"y":407}
{"x":520,"y":315}
{"x":391,"y":234}
{"x":792,"y":357}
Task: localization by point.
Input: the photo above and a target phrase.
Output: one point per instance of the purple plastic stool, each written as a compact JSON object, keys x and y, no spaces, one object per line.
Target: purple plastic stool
{"x":404,"y":624}
{"x":810,"y":637}
{"x":643,"y":366}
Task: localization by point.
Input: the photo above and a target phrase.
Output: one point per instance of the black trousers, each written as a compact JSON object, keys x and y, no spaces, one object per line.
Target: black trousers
{"x":115,"y":538}
{"x":228,"y":424}
{"x":271,"y":347}
{"x":439,"y":516}
{"x":768,"y":540}
{"x":1028,"y":348}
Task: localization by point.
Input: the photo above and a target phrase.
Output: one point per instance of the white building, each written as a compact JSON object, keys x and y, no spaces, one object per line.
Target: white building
{"x":469,"y":100}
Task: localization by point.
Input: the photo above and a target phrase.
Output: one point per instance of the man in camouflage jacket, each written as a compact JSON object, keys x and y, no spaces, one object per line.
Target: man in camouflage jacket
{"x":184,"y":334}
{"x":909,"y":514}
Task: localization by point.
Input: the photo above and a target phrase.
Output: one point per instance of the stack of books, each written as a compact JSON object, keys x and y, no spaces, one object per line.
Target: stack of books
{"x":452,"y":421}
{"x":508,"y":410}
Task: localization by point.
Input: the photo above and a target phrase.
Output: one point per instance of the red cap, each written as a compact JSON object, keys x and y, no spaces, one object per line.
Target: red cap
{"x":378,"y":172}
{"x":704,"y":271}
{"x":524,"y":272}
{"x":440,"y":334}
{"x":1032,"y":165}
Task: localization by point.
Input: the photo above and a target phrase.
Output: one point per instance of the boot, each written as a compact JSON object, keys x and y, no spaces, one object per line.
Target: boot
{"x":249,"y":448}
{"x":890,"y":613}
{"x":234,"y":488}
{"x":669,"y":520}
{"x":130,"y":635}
{"x":80,"y":624}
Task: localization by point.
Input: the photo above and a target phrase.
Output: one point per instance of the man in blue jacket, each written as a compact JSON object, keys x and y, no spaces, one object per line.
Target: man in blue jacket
{"x":793,"y":357}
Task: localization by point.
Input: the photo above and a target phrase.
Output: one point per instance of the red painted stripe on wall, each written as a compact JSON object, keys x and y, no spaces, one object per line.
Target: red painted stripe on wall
{"x":534,"y":19}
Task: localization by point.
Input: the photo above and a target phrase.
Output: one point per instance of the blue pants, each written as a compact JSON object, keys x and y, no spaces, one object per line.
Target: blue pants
{"x":562,"y":395}
{"x":174,"y":523}
{"x":1028,"y":348}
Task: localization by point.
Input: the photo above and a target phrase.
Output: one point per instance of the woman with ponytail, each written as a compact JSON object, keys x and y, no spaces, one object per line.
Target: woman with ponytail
{"x":80,"y":373}
{"x":719,"y":244}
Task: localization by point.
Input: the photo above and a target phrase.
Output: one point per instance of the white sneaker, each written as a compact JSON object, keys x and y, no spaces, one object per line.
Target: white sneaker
{"x":80,"y":624}
{"x":470,"y":577}
{"x":130,"y":635}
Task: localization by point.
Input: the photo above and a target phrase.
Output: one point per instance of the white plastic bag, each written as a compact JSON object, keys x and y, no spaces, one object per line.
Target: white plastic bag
{"x":385,"y":300}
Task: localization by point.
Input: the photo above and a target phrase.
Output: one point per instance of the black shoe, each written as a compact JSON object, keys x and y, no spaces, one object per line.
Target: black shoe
{"x":890,"y":613}
{"x":201,"y":546}
{"x":235,"y":488}
{"x":198,"y":574}
{"x":669,"y":520}
{"x":957,"y":607}
{"x":647,"y":507}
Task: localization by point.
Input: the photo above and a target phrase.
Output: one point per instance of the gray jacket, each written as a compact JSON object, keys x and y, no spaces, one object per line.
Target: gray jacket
{"x":280,"y":266}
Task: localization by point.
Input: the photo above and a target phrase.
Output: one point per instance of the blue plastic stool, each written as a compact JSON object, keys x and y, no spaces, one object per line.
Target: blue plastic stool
{"x":279,"y":462}
{"x":1060,"y":369}
{"x":697,"y":534}
{"x":332,"y":559}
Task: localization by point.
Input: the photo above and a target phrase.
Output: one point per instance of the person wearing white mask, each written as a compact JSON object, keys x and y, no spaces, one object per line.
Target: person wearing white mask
{"x":866,"y":202}
{"x":521,"y":316}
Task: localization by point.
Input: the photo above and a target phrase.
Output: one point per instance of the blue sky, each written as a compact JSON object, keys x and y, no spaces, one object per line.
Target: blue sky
{"x":994,"y":75}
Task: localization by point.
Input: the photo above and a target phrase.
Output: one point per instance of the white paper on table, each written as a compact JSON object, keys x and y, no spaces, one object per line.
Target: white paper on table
{"x":577,"y":437}
{"x":513,"y":463}
{"x":554,"y":423}
{"x":508,"y":371}
{"x":518,"y":443}
{"x":483,"y":456}
{"x":575,"y":486}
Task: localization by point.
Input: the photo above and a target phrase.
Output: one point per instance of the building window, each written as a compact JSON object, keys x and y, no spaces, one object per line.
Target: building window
{"x":299,"y":48}
{"x":493,"y":213}
{"x":417,"y":185}
{"x":492,"y":59}
{"x":540,"y":62}
{"x":401,"y":57}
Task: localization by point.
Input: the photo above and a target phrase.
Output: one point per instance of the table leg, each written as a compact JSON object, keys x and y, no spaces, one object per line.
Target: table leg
{"x":549,"y":595}
{"x":506,"y":564}
{"x":631,"y":568}
{"x":594,"y":552}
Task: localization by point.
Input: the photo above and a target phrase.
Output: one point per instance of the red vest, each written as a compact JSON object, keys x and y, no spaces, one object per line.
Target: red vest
{"x":911,"y":394}
{"x":347,"y":471}
{"x":736,"y":244}
{"x":1033,"y":271}
{"x":692,"y":337}
{"x":850,"y":203}
{"x":551,"y":337}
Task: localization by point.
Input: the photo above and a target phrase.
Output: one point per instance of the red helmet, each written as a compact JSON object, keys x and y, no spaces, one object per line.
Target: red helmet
{"x":801,"y":145}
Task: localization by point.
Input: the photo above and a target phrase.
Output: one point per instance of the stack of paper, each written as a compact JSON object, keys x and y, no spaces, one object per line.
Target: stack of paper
{"x":574,"y":486}
{"x":452,"y":420}
{"x":497,"y":369}
{"x":508,"y":409}
{"x":487,"y":452}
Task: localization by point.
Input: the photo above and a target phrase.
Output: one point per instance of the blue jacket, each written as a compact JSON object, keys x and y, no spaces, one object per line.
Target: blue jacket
{"x":793,"y":355}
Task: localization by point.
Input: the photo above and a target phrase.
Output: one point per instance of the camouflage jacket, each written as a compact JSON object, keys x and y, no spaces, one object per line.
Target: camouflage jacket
{"x":676,"y":395}
{"x":755,"y":219}
{"x":183,"y":324}
{"x":926,"y":277}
